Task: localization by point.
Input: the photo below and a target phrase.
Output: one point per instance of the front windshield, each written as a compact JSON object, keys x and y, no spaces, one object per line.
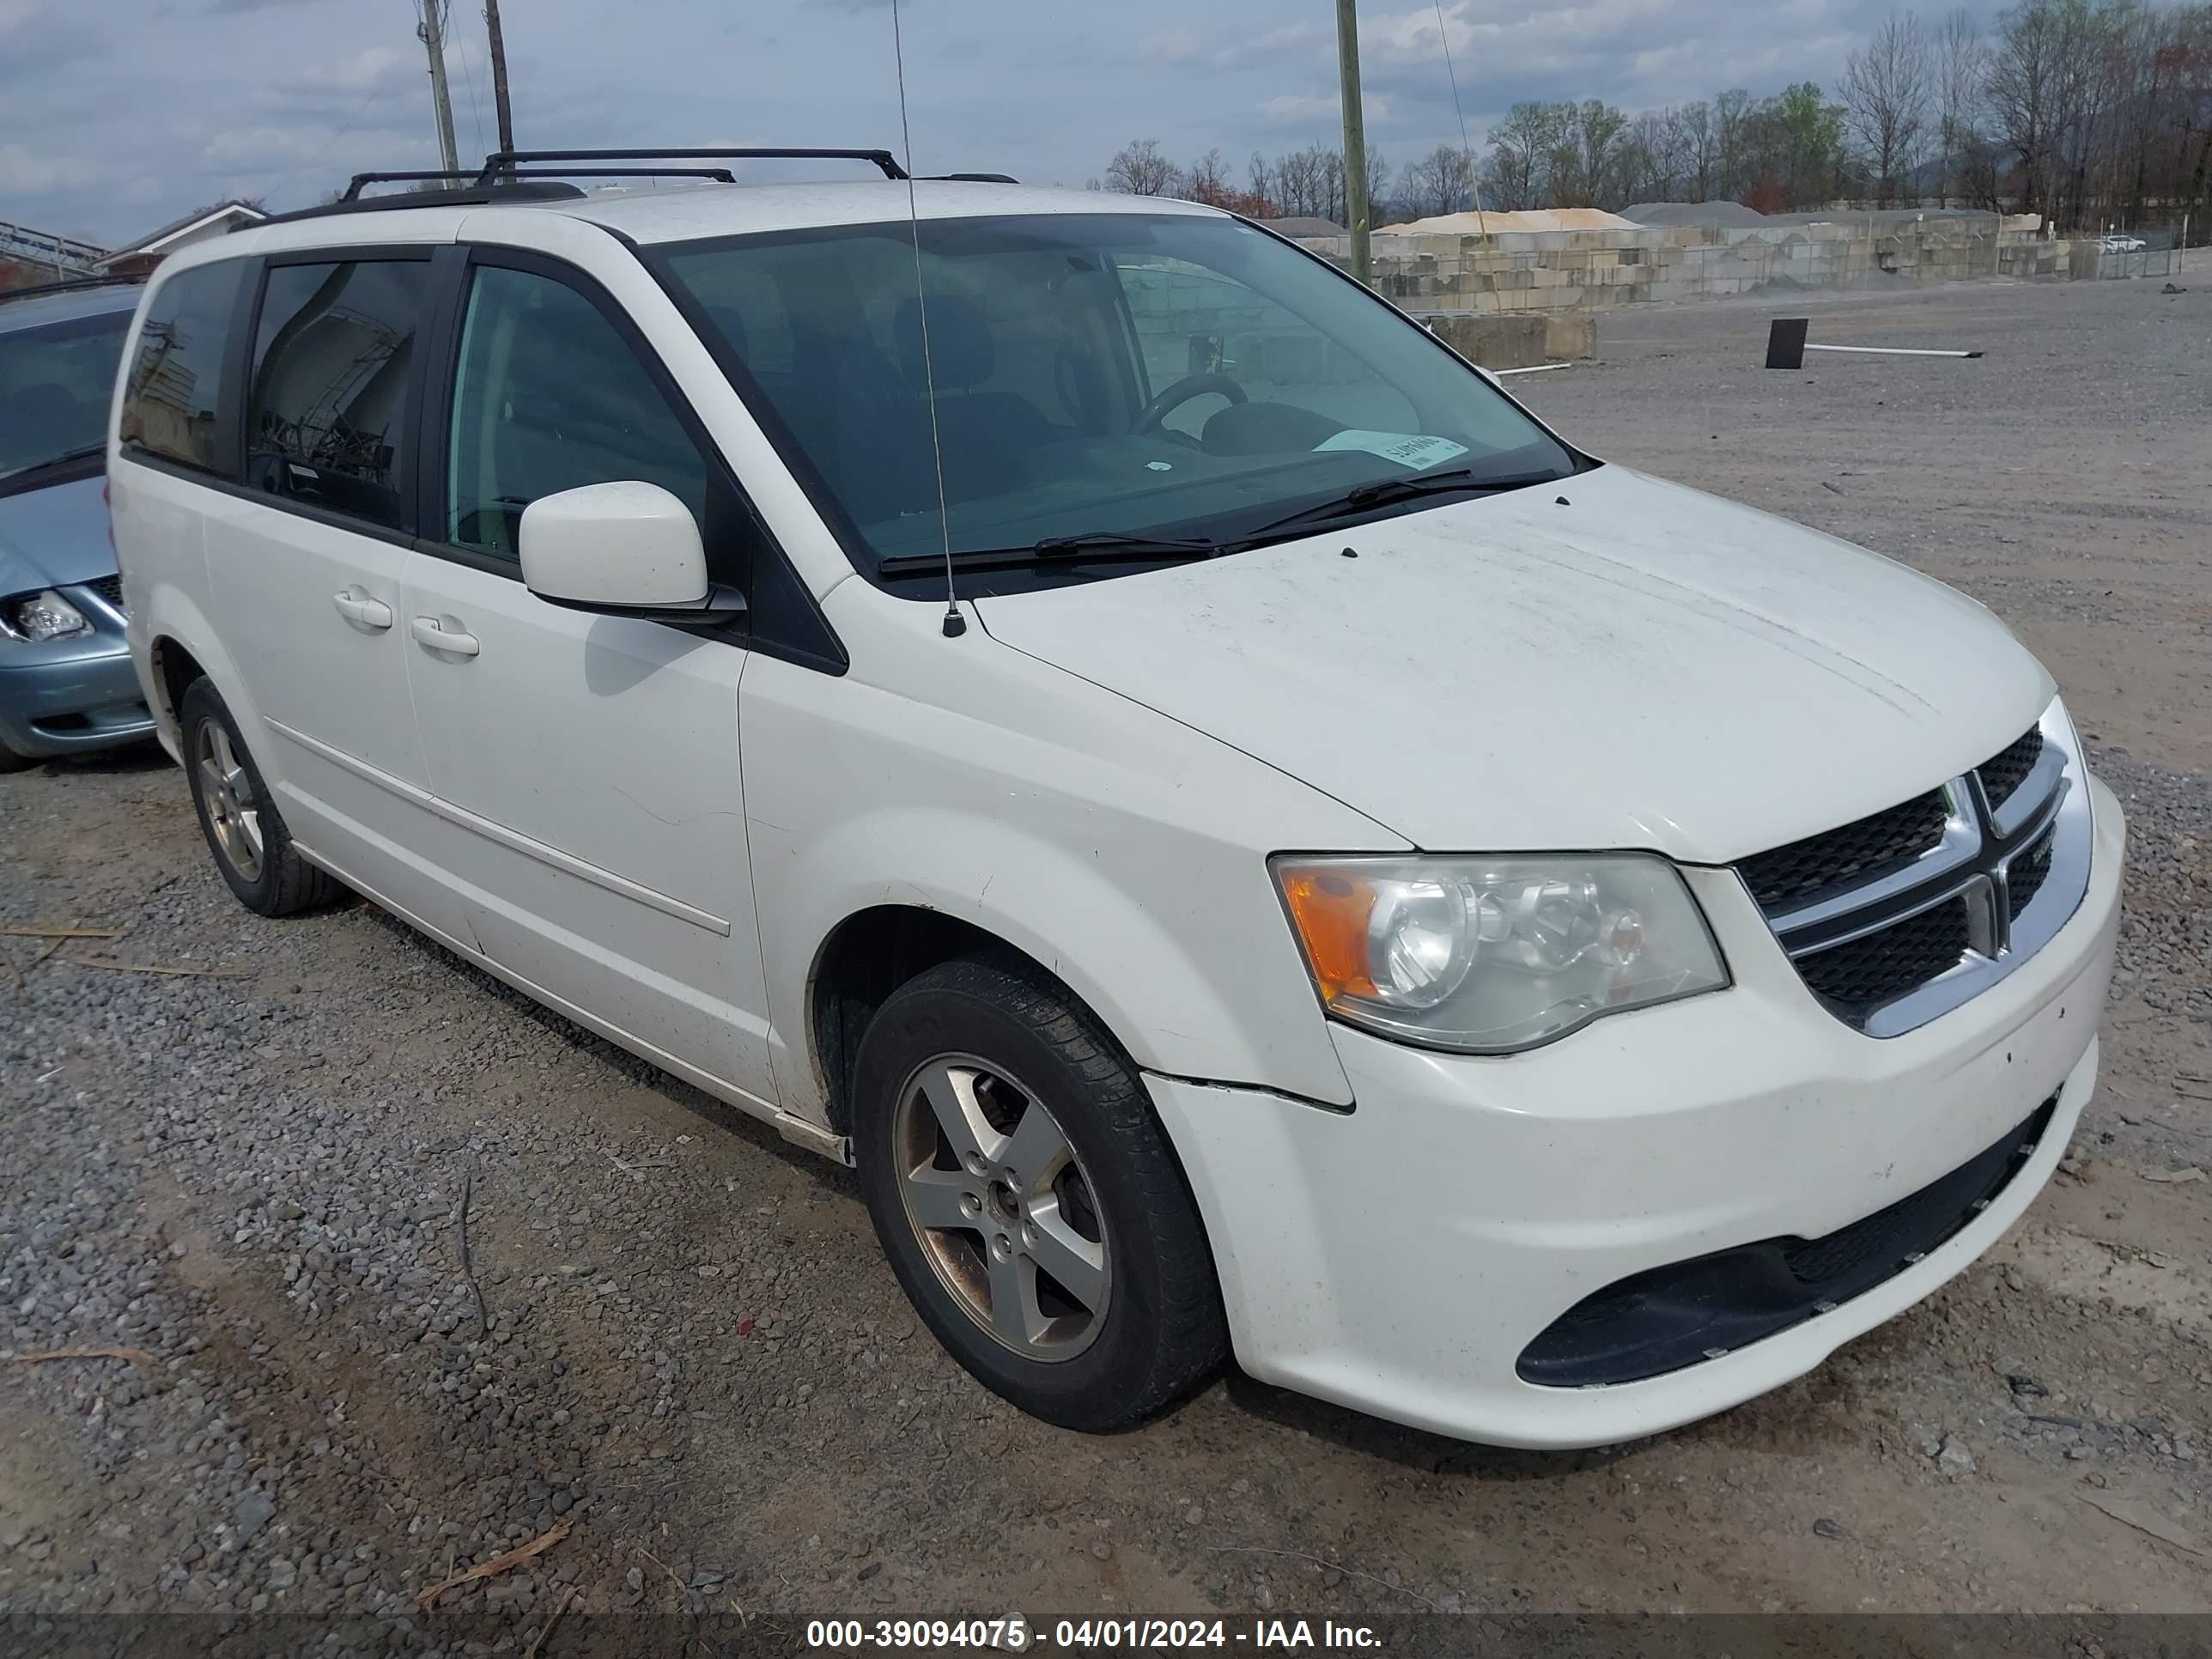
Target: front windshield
{"x":1180,"y":377}
{"x":54,"y":385}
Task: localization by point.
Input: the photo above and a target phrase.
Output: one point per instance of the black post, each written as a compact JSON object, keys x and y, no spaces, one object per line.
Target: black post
{"x":1785,"y":342}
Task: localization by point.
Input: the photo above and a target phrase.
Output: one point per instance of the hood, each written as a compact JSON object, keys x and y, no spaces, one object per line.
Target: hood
{"x":1647,"y":667}
{"x":54,"y":537}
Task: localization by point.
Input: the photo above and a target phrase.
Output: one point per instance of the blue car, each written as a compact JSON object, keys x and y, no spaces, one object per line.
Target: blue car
{"x":66,"y":685}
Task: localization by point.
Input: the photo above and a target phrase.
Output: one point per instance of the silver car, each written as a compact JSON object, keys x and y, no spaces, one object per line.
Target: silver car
{"x":65,"y":679}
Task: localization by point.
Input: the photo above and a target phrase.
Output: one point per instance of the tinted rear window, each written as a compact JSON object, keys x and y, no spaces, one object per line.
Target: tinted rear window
{"x":176,"y":372}
{"x":332,"y":364}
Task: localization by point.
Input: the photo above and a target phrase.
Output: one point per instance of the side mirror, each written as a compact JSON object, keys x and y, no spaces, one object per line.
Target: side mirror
{"x":622,"y":550}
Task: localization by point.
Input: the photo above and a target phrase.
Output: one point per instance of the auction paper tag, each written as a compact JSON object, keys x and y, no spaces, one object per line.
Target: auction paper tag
{"x":1407,"y":449}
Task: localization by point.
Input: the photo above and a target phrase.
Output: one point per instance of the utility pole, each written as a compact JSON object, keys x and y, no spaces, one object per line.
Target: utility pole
{"x":431,"y":32}
{"x":499,"y":75}
{"x":1355,"y":138}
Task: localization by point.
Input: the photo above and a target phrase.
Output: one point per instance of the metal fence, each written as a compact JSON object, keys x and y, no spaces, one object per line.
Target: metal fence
{"x":2118,"y":263}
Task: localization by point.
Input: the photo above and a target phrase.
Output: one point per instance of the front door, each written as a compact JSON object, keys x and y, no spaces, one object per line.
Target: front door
{"x":591,"y":815}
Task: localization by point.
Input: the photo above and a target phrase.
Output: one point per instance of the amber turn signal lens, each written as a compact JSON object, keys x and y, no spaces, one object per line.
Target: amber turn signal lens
{"x":1331,"y":911}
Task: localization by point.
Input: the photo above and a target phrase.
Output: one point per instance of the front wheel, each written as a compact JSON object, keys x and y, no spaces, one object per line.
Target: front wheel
{"x":1028,"y":1199}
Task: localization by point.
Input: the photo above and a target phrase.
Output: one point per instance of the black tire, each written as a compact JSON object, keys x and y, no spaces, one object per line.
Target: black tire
{"x":12,"y":762}
{"x":280,"y":883}
{"x":1163,"y":1332}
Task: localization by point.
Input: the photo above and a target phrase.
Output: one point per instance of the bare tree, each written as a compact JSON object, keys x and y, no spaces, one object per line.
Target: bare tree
{"x":1961,"y":64}
{"x":1140,"y":170}
{"x":1885,"y":90}
{"x":1584,"y":160}
{"x":2022,"y":82}
{"x":1732,"y":111}
{"x":1693,"y":138}
{"x":1442,"y":181}
{"x":1207,"y":181}
{"x":1521,"y":149}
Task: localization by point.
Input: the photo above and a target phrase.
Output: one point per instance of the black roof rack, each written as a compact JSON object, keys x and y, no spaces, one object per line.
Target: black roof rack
{"x":504,"y":161}
{"x":525,"y":176}
{"x":970,"y":179}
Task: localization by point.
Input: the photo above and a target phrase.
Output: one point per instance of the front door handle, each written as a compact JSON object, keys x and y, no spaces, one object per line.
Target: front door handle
{"x":357,"y":606}
{"x":452,"y":641}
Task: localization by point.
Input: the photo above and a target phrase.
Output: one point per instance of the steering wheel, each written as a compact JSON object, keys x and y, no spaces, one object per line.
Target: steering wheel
{"x":1174,"y":397}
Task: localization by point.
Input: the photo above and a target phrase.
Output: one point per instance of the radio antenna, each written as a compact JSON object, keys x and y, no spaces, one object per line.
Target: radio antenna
{"x":955,"y":623}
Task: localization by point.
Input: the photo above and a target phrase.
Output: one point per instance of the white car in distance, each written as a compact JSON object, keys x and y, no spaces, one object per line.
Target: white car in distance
{"x":1251,"y":843}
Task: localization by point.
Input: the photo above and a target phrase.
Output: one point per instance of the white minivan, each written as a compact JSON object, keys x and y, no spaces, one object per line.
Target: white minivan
{"x":1249,"y":843}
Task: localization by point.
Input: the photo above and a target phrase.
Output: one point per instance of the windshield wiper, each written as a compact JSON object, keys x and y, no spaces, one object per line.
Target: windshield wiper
{"x":1384,"y":492}
{"x":1089,"y":545}
{"x":67,"y":457}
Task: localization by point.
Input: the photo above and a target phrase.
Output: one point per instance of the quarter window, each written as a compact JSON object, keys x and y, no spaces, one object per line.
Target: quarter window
{"x":175,"y":386}
{"x":333,"y":362}
{"x":549,"y":396}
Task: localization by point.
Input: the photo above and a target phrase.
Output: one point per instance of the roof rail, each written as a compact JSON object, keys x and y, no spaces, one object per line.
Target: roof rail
{"x":969,"y":178}
{"x":504,"y":161}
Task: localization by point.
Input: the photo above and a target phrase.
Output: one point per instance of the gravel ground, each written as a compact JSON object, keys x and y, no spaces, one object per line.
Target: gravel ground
{"x":406,"y":1273}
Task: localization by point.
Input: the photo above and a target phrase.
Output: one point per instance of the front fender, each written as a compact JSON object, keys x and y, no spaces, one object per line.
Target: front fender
{"x":1125,"y":852}
{"x":1218,"y":1012}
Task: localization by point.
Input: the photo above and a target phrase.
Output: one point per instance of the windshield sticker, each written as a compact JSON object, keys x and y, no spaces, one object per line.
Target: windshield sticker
{"x":1408,"y":450}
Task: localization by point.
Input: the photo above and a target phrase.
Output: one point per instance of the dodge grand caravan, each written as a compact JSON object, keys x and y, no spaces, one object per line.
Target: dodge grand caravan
{"x":1248,"y":841}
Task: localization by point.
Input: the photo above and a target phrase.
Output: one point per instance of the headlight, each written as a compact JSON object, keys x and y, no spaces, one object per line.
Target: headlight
{"x":41,"y":616}
{"x":1488,"y":955}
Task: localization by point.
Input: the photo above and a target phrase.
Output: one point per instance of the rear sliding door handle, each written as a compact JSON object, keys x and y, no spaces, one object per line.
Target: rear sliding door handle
{"x":452,"y":641}
{"x":357,"y":606}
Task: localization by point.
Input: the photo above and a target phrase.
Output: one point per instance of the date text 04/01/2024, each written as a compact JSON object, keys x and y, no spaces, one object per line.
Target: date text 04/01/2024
{"x":1015,"y":1634}
{"x":1266,"y":1633}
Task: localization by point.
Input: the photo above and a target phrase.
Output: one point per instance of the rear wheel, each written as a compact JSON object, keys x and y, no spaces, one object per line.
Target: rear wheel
{"x":1028,"y":1199}
{"x":252,"y":846}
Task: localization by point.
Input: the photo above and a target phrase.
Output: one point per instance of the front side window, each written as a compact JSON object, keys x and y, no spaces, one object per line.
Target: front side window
{"x":549,"y":396}
{"x":1094,"y":377}
{"x":333,"y":358}
{"x":169,"y":403}
{"x":55,"y":381}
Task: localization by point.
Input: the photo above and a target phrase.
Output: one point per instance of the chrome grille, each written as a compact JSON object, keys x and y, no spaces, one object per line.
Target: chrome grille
{"x":2007,"y":769}
{"x":1857,"y":977}
{"x":1843,"y":856}
{"x":1902,"y":915}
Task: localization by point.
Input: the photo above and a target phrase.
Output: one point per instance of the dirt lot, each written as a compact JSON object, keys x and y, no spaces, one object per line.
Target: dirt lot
{"x":688,"y":1352}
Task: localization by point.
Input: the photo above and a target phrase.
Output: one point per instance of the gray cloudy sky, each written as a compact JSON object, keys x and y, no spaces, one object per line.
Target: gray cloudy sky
{"x":116,"y":115}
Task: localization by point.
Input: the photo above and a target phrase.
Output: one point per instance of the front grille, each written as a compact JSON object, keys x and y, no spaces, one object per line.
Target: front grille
{"x":1859,"y":977}
{"x":109,"y":588}
{"x":1841,"y":857}
{"x":1669,"y":1317}
{"x":2027,"y":876}
{"x":2006,"y":770}
{"x":1877,"y":910}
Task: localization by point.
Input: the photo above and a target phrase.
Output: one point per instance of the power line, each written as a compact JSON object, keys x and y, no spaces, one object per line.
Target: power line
{"x":469,"y":80}
{"x":1465,"y":146}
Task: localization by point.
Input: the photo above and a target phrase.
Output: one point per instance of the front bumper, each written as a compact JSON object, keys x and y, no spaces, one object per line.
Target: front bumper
{"x":1399,"y":1257}
{"x":71,"y":695}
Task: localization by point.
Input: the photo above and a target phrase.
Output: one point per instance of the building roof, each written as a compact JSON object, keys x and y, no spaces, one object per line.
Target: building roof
{"x":1307,"y":227}
{"x":158,"y":241}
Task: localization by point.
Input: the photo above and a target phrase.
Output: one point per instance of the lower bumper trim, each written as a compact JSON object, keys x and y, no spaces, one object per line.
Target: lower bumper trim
{"x":1666,"y":1319}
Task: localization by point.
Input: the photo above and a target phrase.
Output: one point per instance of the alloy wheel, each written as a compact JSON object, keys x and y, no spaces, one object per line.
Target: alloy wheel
{"x":229,"y":794}
{"x":1002,"y":1208}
